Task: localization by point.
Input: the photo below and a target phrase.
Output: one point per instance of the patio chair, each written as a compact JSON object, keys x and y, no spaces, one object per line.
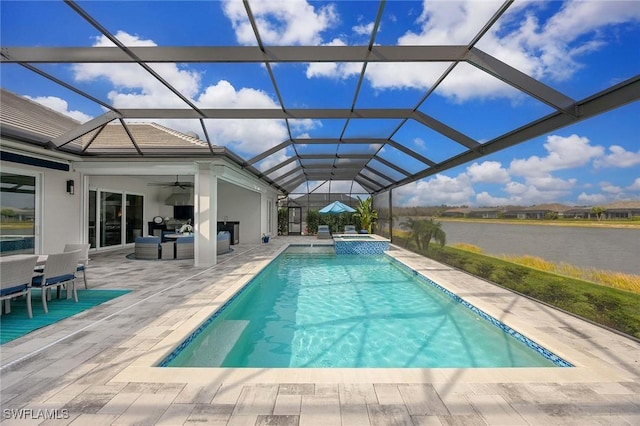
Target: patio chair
{"x":83,"y":262}
{"x":350,"y":229}
{"x":59,"y":271}
{"x":15,"y":280}
{"x":323,"y":232}
{"x":184,"y":247}
{"x":147,"y":247}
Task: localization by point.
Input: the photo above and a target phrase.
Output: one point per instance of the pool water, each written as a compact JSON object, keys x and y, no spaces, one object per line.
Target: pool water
{"x":324,"y":310}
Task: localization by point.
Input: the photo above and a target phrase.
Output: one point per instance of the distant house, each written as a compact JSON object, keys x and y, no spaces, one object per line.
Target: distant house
{"x":486,"y":213}
{"x":456,"y":212}
{"x":539,"y":211}
{"x":583,"y":212}
{"x":622,"y":209}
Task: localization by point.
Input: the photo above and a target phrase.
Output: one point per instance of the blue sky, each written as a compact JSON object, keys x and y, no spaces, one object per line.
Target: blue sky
{"x":576,"y":47}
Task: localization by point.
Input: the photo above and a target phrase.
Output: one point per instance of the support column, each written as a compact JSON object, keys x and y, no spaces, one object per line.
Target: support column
{"x":206,"y":213}
{"x":391,"y":215}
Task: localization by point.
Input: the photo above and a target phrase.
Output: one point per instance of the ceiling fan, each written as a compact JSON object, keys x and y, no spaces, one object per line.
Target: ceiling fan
{"x":176,"y":184}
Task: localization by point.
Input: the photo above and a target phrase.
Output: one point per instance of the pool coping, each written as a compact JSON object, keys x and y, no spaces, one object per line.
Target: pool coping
{"x":586,"y":368}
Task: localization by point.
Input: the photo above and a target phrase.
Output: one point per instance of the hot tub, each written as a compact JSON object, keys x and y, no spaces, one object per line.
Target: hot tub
{"x":360,"y":244}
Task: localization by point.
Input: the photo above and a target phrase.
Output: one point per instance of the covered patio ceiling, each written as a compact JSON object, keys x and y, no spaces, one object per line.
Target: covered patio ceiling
{"x":360,"y":143}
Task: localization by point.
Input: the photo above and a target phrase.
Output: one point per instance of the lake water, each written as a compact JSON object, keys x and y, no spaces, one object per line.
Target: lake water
{"x":608,"y":249}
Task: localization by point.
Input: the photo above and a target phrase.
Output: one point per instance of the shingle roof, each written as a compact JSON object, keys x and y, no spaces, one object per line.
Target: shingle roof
{"x":31,"y":118}
{"x":21,"y":113}
{"x":629,"y":204}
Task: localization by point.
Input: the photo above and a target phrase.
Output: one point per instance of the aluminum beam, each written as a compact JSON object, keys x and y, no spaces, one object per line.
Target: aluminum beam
{"x":265,"y":113}
{"x":269,"y":152}
{"x":521,"y":81}
{"x":232,"y":54}
{"x":445,"y":130}
{"x":85,"y":128}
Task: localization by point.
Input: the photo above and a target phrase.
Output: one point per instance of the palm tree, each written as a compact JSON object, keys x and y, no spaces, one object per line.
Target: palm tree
{"x":366,"y":213}
{"x":423,"y":231}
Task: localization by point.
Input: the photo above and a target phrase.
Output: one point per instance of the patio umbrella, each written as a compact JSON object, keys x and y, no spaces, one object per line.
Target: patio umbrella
{"x":335,"y":208}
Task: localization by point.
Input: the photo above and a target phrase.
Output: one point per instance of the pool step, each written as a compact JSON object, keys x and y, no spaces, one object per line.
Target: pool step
{"x":226,"y":335}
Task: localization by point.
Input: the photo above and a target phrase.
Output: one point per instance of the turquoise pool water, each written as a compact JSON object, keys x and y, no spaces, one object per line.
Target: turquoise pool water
{"x":312,"y":308}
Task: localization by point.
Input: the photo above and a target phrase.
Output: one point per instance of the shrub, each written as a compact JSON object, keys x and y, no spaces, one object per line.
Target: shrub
{"x":313,"y":219}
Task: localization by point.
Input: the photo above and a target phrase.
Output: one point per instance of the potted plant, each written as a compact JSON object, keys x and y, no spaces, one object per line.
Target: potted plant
{"x":265,"y":238}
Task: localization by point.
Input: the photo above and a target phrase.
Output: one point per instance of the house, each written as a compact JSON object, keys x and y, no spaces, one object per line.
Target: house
{"x":486,"y":212}
{"x":582,"y":212}
{"x":106,"y":186}
{"x":622,"y":209}
{"x":539,"y":211}
{"x":456,"y":212}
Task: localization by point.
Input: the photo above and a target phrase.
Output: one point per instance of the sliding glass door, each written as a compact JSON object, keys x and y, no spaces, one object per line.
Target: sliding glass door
{"x":110,"y":219}
{"x":115,"y":218}
{"x":134,"y":218}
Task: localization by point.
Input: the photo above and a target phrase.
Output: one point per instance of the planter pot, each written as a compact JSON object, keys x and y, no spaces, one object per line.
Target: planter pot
{"x":265,"y":239}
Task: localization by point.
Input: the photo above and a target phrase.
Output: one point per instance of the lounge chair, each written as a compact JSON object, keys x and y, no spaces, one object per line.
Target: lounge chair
{"x":147,"y":247}
{"x":350,"y":229}
{"x":59,"y":271}
{"x":323,"y":232}
{"x":15,"y":280}
{"x":83,"y":262}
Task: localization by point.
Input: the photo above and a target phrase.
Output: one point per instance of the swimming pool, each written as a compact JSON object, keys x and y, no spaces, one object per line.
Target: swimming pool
{"x":324,"y":310}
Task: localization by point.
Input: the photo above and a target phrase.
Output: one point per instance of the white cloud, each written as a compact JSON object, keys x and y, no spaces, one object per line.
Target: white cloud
{"x":419,"y":142}
{"x":364,"y":29}
{"x":135,"y":86}
{"x":609,"y":188}
{"x":591,"y":199}
{"x":618,"y":157}
{"x":487,"y":200}
{"x":61,"y":106}
{"x":528,"y":194}
{"x":291,"y":22}
{"x":635,"y":186}
{"x":562,"y":153}
{"x":440,"y":189}
{"x":488,"y":172}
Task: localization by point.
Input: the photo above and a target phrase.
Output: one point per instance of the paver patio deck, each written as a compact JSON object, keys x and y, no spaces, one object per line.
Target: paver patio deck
{"x":97,"y":367}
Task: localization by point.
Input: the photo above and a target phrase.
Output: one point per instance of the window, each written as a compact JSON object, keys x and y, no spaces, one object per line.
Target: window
{"x":17,"y":213}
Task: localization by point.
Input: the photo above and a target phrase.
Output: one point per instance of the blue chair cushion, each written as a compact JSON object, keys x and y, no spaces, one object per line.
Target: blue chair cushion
{"x":37,"y":281}
{"x":148,"y":240}
{"x":14,"y":289}
{"x":185,"y":240}
{"x":223,"y":235}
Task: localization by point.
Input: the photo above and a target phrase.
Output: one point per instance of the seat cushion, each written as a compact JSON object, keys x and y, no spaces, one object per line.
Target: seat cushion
{"x":37,"y":281}
{"x":14,"y":289}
